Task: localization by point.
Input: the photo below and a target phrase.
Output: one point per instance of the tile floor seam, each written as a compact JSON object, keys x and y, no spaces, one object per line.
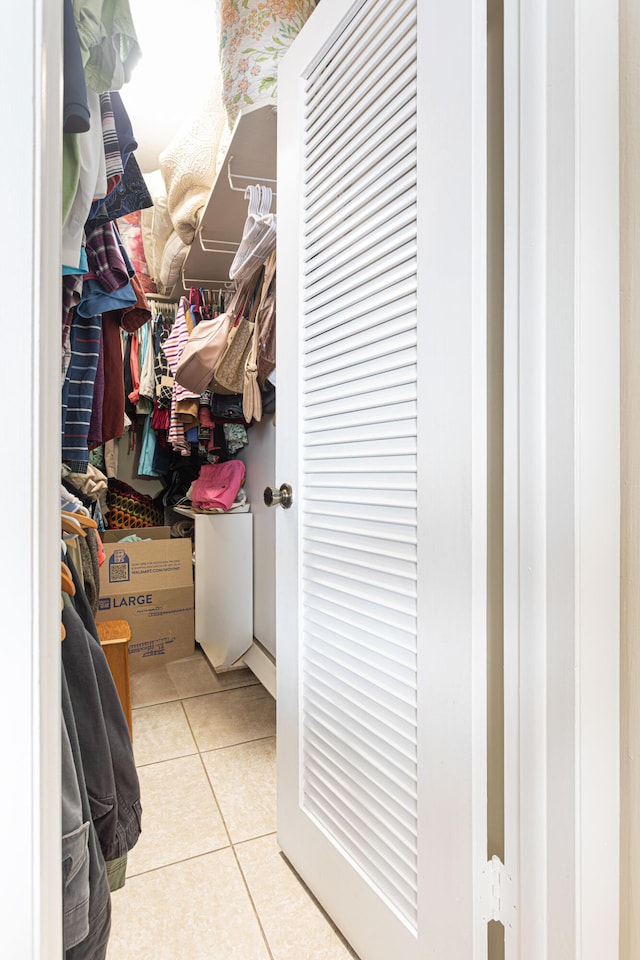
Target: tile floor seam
{"x":253,"y":904}
{"x":226,"y":828}
{"x":181,"y":756}
{"x":173,"y":863}
{"x":262,"y":836}
{"x":235,"y":855}
{"x":240,"y":743}
{"x":195,"y":696}
{"x":156,"y":763}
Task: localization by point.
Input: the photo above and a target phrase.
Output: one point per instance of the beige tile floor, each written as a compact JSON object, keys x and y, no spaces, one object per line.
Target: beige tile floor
{"x":206,"y":880}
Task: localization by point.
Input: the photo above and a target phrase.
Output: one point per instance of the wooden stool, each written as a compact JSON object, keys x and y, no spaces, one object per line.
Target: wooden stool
{"x":114,"y":637}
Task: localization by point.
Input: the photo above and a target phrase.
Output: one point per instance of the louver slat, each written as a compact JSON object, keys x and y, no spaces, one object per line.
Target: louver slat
{"x":360,"y":351}
{"x":398,"y":125}
{"x":365,"y":466}
{"x":362,"y":370}
{"x":396,"y":386}
{"x":363,"y":511}
{"x":393,"y":796}
{"x":389,"y":837}
{"x":395,"y":230}
{"x":395,"y":733}
{"x":329,"y":316}
{"x":370,"y":416}
{"x":353,"y":50}
{"x":389,"y":165}
{"x":394,"y":830}
{"x":356,"y":36}
{"x":332,"y":534}
{"x":376,"y":110}
{"x":379,"y":568}
{"x":373,"y":481}
{"x":358,"y":573}
{"x":393,"y":635}
{"x":352,"y":830}
{"x":365,"y":737}
{"x":359,"y":449}
{"x":398,"y":250}
{"x":361,"y":646}
{"x":348,"y":223}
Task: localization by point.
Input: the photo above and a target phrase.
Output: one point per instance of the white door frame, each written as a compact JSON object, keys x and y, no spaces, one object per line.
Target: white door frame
{"x":562,"y":471}
{"x":561,"y":478}
{"x":31,"y":118}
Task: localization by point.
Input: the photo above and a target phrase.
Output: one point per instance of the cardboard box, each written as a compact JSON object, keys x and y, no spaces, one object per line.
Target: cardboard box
{"x":146,"y":533}
{"x":150,"y":584}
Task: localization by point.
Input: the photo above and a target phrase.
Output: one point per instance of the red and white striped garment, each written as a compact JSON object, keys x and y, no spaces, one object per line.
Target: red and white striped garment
{"x":173,"y":347}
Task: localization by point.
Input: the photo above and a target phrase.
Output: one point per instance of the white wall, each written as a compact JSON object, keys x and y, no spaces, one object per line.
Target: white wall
{"x":31,"y":115}
{"x":630,"y":547}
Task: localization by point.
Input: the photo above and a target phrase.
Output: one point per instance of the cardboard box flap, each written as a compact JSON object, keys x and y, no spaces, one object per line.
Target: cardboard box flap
{"x":155,"y":565}
{"x":146,"y":533}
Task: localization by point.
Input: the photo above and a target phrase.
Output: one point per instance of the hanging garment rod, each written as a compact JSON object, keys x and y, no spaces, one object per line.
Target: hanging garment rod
{"x":165,"y":297}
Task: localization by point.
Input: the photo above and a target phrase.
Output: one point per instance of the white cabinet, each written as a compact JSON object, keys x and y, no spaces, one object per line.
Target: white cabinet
{"x":260,"y":460}
{"x":224,"y":586}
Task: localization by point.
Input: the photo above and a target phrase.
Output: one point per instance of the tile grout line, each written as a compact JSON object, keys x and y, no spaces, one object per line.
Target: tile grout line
{"x":235,"y":855}
{"x":255,"y":909}
{"x":194,"y":696}
{"x":260,"y":836}
{"x":152,"y":763}
{"x":227,"y":746}
{"x":175,"y":863}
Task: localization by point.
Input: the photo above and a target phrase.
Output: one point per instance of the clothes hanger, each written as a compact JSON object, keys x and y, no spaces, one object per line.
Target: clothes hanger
{"x":266,"y":196}
{"x":258,"y":241}
{"x":88,"y":522}
{"x":66,"y":580}
{"x":255,"y":225}
{"x":70,"y":526}
{"x":63,"y":631}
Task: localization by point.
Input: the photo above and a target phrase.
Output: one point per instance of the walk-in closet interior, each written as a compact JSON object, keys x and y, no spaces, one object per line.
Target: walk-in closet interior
{"x":317,"y":403}
{"x":168,"y":453}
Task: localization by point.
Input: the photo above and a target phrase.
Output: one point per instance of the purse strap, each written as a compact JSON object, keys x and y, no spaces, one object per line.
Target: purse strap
{"x":269,"y":274}
{"x":242,"y":297}
{"x":258,"y":291}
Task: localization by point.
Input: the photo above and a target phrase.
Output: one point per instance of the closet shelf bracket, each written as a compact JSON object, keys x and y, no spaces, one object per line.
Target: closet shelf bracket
{"x":249,"y":180}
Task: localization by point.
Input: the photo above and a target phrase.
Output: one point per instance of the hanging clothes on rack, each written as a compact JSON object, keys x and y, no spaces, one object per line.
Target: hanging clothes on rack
{"x":101,"y":811}
{"x":101,"y":808}
{"x":173,"y":347}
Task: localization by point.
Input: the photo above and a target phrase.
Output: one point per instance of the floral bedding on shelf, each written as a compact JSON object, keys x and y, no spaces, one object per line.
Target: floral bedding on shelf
{"x":254,"y":36}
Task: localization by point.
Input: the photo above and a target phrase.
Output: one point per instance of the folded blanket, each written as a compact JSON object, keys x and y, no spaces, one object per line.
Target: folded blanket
{"x":188,"y":164}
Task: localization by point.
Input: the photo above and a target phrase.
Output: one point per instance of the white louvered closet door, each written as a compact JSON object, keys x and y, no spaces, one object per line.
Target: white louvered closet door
{"x":381,"y":561}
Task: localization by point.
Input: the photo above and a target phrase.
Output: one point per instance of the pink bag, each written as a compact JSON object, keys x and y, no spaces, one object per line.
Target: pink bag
{"x":217,"y":486}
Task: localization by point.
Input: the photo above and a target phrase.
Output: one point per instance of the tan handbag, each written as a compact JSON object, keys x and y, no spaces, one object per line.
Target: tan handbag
{"x":251,"y":396}
{"x":229,"y":372}
{"x":229,"y":376}
{"x":202,"y":351}
{"x":266,"y":331}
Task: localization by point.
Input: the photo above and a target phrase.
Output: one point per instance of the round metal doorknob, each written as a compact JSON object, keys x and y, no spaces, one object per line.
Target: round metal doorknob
{"x":283,"y":496}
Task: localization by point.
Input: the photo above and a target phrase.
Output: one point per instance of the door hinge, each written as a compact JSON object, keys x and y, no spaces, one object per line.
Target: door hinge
{"x":498,"y":894}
